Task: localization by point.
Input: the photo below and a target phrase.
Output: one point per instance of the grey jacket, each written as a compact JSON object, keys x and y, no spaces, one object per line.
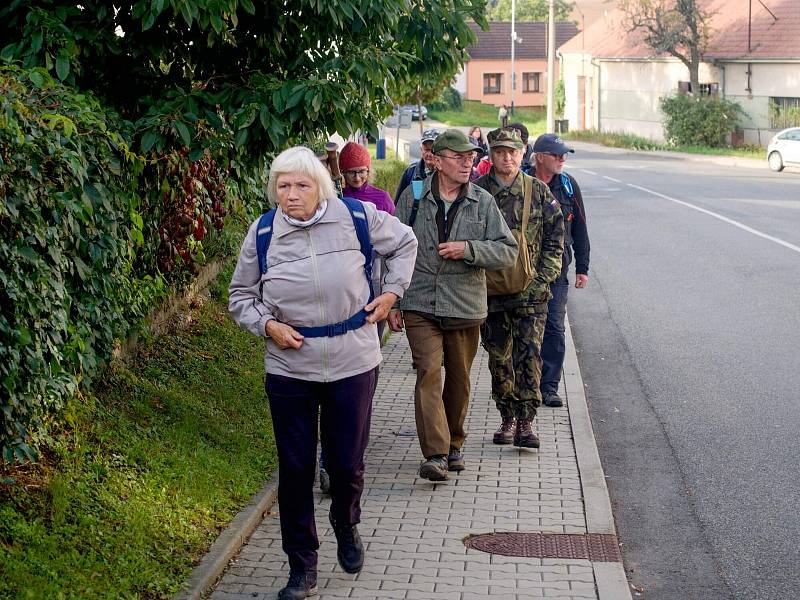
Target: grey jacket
{"x":316,"y":277}
{"x":456,"y":288}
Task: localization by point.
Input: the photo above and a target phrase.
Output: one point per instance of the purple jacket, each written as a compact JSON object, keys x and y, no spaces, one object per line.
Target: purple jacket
{"x":368,"y":193}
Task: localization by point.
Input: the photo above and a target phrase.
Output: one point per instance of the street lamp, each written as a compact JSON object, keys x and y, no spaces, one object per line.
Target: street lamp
{"x":551,"y":56}
{"x":518,"y":40}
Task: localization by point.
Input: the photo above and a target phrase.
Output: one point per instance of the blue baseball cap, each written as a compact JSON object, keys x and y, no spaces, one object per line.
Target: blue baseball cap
{"x":551,"y":144}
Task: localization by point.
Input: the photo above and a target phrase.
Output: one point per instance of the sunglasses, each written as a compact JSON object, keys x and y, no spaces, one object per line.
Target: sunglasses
{"x":558,"y":156}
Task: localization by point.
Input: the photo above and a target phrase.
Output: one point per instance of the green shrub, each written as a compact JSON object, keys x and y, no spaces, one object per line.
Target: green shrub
{"x":387,"y":174}
{"x":560,"y":97}
{"x":699,"y":121}
{"x":450,"y":99}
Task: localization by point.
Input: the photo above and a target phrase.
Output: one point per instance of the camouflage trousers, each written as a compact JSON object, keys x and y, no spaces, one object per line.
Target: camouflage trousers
{"x":513,"y":340}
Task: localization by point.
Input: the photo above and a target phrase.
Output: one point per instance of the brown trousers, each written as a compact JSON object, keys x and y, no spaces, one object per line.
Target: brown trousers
{"x":440,"y":411}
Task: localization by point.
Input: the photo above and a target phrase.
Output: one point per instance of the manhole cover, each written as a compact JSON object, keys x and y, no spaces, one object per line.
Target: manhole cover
{"x":597,"y":547}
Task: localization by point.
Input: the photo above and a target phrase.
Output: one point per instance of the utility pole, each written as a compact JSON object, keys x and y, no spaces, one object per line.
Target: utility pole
{"x":551,"y":61}
{"x":513,"y":43}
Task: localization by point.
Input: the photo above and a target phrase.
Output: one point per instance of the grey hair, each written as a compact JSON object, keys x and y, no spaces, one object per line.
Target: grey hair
{"x":300,"y":159}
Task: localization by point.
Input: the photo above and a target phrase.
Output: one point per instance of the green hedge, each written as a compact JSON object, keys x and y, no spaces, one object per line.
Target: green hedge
{"x":68,"y":232}
{"x":91,"y":236}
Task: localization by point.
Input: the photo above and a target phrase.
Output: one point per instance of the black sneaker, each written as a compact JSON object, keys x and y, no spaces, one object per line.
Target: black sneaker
{"x":552,"y":399}
{"x":434,"y":468}
{"x":302,"y":584}
{"x":350,"y":551}
{"x":455,"y":460}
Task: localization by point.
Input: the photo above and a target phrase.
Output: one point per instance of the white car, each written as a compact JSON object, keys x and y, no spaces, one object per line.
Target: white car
{"x":784,"y":149}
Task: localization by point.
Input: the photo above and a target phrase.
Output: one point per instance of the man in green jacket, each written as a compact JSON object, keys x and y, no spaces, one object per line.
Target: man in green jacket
{"x":512,"y":333}
{"x":460,"y":232}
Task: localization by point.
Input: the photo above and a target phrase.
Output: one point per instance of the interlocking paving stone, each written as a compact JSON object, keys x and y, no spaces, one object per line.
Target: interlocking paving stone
{"x":413,"y":529}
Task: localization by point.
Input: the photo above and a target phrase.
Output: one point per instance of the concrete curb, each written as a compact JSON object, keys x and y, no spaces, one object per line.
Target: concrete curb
{"x":610,"y":578}
{"x":213,"y":564}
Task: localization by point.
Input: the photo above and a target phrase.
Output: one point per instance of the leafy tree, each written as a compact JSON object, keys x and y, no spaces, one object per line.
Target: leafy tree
{"x":430,"y":72}
{"x":266,"y":72}
{"x":530,"y":10}
{"x":206,"y":90}
{"x":675,"y":27}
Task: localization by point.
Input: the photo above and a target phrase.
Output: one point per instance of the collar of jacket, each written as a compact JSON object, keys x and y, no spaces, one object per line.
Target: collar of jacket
{"x":282,"y":228}
{"x":515,"y":189}
{"x":470,"y":190}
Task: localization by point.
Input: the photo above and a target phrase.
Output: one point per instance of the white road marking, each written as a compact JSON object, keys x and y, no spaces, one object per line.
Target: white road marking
{"x":611,"y":179}
{"x":741,"y":226}
{"x":588,"y":171}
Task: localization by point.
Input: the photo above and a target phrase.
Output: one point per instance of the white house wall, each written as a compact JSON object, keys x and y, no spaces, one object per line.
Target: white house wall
{"x":767,"y":79}
{"x":630,"y":92}
{"x":461,"y":81}
{"x":574,"y":66}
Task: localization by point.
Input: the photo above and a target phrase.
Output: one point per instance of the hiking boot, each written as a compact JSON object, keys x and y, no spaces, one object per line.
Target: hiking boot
{"x":324,"y":481}
{"x":505,"y":435}
{"x":434,"y":468}
{"x":302,"y":584}
{"x":524,"y":436}
{"x":455,"y":460}
{"x":350,"y":551}
{"x":552,"y":399}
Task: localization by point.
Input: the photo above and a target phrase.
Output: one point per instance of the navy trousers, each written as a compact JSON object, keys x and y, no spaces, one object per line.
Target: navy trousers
{"x":553,"y":344}
{"x":343,"y":409}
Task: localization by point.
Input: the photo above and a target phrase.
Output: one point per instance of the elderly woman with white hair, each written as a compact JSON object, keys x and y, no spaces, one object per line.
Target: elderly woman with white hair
{"x":302,"y":282}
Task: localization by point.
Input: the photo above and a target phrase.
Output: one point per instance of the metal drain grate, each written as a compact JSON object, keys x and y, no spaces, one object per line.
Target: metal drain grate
{"x":597,"y":547}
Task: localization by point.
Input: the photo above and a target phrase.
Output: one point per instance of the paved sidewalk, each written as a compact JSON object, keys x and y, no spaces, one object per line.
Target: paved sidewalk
{"x":413,"y":529}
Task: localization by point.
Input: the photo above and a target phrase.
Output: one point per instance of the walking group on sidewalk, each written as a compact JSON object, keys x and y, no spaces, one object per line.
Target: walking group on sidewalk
{"x":461,"y":262}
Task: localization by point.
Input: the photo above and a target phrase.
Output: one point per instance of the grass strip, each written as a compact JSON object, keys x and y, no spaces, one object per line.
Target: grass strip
{"x":635,"y":142}
{"x":485,"y":116}
{"x":151,"y":467}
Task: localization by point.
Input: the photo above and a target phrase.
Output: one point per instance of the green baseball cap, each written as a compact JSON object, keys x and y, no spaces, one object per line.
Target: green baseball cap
{"x":455,"y":140}
{"x":510,"y":138}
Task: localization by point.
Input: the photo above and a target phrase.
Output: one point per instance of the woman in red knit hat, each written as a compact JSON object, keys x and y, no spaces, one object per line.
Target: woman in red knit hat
{"x":355,"y":163}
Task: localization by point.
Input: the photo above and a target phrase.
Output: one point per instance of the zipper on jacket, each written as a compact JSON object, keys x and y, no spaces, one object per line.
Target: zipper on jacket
{"x":320,"y":303}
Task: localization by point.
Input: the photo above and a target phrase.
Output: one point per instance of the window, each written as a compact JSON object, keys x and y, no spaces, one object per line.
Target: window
{"x":531,"y":82}
{"x":706,"y":89}
{"x":709,"y":89}
{"x":784,"y":112}
{"x":492,"y":83}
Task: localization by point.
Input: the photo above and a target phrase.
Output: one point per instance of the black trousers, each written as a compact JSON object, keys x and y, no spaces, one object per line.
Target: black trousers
{"x":344,"y":408}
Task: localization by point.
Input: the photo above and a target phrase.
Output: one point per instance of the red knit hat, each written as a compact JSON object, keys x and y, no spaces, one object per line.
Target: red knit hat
{"x":353,"y":156}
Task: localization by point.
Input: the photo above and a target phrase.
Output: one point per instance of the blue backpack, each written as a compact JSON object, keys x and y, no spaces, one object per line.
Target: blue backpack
{"x":567,"y":185}
{"x":359,"y":216}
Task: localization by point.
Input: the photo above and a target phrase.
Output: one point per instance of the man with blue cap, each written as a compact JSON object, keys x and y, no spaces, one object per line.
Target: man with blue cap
{"x":550,"y":155}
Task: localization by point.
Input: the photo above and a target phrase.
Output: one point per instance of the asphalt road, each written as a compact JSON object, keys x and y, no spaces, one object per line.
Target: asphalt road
{"x":688,"y":343}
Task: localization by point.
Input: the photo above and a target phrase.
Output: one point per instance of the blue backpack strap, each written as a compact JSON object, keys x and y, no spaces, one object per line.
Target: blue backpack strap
{"x":359,"y":216}
{"x":567,"y":185}
{"x":417,"y":191}
{"x":263,"y":238}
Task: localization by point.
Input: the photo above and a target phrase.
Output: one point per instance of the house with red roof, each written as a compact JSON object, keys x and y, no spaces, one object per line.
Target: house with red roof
{"x":614,"y":82}
{"x":486,"y":76}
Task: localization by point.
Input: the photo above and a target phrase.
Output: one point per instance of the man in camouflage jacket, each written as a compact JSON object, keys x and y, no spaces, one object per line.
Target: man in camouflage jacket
{"x":512,"y":333}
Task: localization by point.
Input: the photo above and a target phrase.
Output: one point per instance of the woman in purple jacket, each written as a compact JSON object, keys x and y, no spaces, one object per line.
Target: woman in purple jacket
{"x":355,"y":164}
